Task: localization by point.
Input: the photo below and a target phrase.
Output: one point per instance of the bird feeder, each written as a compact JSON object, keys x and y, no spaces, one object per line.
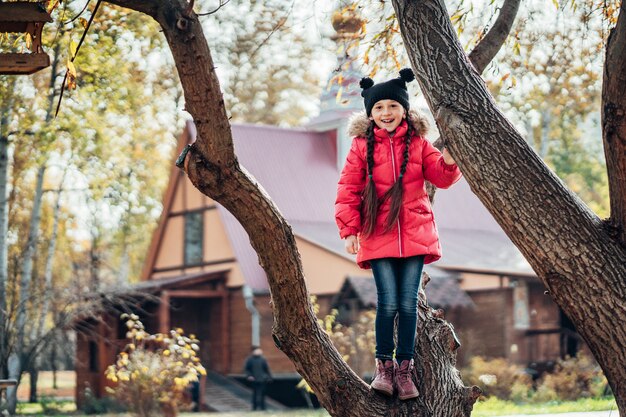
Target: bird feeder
{"x":24,"y":17}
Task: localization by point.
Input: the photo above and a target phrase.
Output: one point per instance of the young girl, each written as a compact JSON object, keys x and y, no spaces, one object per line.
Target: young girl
{"x":384,"y":215}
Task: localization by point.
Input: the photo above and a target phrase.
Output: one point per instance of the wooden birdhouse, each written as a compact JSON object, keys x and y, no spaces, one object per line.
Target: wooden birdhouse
{"x":29,"y":18}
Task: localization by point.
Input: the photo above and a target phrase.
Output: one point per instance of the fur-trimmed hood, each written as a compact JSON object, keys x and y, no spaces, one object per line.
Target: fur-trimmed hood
{"x":359,"y":122}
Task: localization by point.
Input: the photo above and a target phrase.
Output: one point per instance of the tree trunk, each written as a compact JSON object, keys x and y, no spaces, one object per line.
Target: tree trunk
{"x":47,"y":292}
{"x":4,"y":225}
{"x":33,"y":371}
{"x":575,"y":254}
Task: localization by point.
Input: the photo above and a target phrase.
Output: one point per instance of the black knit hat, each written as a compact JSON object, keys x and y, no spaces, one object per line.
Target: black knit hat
{"x":394,"y":89}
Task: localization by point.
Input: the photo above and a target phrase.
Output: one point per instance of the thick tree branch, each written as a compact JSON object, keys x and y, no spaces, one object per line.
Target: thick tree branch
{"x":489,"y":46}
{"x":482,"y":55}
{"x":614,"y":123}
{"x":565,"y":243}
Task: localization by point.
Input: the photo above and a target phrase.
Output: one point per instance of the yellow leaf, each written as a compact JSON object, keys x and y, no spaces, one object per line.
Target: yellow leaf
{"x":83,"y":22}
{"x":556,"y":3}
{"x":71,"y":68}
{"x":29,"y":40}
{"x":73,"y":47}
{"x":52,"y":5}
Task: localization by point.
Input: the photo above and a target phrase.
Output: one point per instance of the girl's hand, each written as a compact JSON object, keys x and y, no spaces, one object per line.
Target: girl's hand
{"x":352,"y":244}
{"x":447,"y":158}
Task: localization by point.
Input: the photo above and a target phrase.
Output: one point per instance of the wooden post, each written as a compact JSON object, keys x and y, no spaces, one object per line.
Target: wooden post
{"x":164,"y":313}
{"x":225,"y":334}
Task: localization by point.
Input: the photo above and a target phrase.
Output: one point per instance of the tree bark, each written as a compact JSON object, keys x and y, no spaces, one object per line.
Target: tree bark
{"x":572,"y":251}
{"x":27,"y":260}
{"x":4,"y":225}
{"x":37,"y":331}
{"x":614,"y":122}
{"x":33,"y":371}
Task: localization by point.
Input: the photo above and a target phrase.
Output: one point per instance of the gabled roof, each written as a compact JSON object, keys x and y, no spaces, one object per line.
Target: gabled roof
{"x":179,"y":282}
{"x":24,"y":11}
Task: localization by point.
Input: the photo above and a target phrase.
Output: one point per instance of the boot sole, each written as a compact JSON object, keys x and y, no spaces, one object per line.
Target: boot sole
{"x":409,"y":396}
{"x":383,"y":391}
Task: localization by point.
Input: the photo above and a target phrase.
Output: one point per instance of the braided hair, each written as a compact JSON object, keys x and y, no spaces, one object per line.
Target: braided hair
{"x":370,"y":199}
{"x":371,"y":202}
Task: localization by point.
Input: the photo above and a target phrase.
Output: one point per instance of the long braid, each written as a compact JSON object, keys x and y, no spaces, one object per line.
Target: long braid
{"x":396,"y":192}
{"x":370,"y":198}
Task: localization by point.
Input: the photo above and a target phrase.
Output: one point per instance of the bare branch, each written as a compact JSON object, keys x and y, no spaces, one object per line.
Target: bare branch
{"x":222,"y":4}
{"x":489,"y":46}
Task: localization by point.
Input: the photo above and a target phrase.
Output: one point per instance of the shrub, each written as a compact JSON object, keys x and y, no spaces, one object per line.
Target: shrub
{"x":497,"y":377}
{"x":93,"y":405}
{"x":573,"y":378}
{"x":154,"y":371}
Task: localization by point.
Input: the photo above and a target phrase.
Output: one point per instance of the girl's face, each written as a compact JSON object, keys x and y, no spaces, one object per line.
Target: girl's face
{"x":388,"y":114}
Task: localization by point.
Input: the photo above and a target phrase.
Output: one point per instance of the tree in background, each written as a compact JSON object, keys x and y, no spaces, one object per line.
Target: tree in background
{"x":109,"y":113}
{"x":265,"y":59}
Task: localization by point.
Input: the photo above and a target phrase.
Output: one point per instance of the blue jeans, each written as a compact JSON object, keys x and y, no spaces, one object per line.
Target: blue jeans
{"x":397,"y":283}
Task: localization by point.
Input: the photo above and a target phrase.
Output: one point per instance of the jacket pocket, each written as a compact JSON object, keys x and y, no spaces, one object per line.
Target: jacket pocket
{"x":421,"y":213}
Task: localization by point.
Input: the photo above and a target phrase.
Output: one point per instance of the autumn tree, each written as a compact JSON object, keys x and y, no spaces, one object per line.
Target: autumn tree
{"x":264,"y":56}
{"x":48,"y":162}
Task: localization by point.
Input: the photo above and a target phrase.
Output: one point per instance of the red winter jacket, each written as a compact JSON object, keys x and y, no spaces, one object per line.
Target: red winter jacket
{"x":416,"y":233}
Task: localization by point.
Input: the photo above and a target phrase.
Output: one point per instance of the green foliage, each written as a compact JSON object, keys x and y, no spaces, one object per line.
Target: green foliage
{"x":495,"y":407}
{"x":497,"y":378}
{"x":573,"y":378}
{"x":154,"y":371}
{"x":93,"y":405}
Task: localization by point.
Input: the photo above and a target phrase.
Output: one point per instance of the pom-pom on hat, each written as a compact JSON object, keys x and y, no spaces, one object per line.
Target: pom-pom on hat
{"x":394,"y":89}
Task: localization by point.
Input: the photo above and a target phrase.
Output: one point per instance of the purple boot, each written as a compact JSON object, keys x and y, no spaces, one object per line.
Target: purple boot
{"x":404,"y":380}
{"x":383,"y":378}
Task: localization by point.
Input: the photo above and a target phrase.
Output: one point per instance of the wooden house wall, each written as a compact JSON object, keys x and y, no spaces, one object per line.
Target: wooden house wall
{"x":241,"y":333}
{"x":485,"y":330}
{"x":166,"y":255}
{"x":324,"y":271}
{"x":93,"y":355}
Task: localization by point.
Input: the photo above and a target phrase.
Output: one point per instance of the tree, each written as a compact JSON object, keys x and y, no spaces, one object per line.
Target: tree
{"x":579,"y":257}
{"x":32,"y":142}
{"x":264,"y":62}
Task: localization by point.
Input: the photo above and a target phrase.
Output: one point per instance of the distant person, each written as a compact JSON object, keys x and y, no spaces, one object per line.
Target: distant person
{"x":258,"y":372}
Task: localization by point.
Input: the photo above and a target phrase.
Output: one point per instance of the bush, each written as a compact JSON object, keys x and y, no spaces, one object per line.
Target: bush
{"x":573,"y":378}
{"x":496,"y":377}
{"x":93,"y":405}
{"x":154,"y":372}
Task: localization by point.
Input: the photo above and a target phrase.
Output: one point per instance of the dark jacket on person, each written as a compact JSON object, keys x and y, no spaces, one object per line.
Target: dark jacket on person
{"x":256,"y":367}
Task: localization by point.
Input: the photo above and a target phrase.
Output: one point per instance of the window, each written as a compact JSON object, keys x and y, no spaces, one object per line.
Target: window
{"x":93,"y":357}
{"x":194,"y":231}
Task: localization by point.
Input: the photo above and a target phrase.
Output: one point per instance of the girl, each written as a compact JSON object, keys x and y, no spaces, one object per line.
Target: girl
{"x":384,"y":215}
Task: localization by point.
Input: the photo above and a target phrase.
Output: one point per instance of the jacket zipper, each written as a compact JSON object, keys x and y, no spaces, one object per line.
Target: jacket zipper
{"x":393,"y":165}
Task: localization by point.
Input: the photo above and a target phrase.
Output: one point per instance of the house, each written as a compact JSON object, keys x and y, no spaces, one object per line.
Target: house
{"x":205,"y":276}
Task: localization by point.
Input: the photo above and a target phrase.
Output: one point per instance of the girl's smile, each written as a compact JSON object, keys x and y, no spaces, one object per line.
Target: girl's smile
{"x":388,"y":114}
